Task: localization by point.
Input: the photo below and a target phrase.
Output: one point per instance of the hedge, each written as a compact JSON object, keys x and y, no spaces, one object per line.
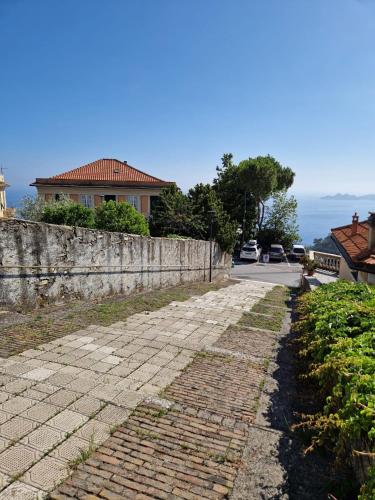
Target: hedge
{"x":337,"y":340}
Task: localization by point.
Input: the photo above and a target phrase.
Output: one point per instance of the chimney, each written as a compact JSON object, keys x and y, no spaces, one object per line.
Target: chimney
{"x":125,"y":161}
{"x":355,"y":220}
{"x":371,"y":230}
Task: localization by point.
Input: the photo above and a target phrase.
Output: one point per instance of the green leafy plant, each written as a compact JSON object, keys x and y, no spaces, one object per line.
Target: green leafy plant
{"x":337,"y":341}
{"x":368,"y":489}
{"x":121,"y":217}
{"x":67,"y":213}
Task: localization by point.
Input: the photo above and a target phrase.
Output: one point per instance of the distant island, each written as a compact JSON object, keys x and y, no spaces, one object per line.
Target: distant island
{"x":346,"y":196}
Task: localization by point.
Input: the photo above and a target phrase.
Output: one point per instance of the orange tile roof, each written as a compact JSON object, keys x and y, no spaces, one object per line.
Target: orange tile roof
{"x":355,"y":245}
{"x":106,"y":171}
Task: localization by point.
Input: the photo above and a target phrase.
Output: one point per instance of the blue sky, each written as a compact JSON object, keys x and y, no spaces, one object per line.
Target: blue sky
{"x":170,"y":85}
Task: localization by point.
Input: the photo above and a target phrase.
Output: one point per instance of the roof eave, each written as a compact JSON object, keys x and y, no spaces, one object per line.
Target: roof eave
{"x":39,"y":182}
{"x":356,"y":266}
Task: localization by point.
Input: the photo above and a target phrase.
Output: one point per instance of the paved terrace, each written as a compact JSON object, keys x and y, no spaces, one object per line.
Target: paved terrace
{"x":66,"y":396}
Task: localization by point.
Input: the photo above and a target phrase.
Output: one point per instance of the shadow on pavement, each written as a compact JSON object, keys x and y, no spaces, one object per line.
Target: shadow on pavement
{"x":312,"y":476}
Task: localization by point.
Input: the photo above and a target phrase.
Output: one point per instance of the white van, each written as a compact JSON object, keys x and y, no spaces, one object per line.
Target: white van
{"x":297,"y":252}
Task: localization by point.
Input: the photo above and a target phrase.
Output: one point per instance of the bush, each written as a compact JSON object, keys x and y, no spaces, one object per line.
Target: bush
{"x":68,"y":213}
{"x":368,"y":489}
{"x":121,"y":217}
{"x":337,"y":339}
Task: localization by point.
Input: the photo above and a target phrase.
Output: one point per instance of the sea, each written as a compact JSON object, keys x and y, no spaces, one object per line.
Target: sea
{"x":316,"y":216}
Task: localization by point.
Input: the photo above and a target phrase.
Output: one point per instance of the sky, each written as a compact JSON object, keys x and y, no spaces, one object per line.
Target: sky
{"x":171,"y":85}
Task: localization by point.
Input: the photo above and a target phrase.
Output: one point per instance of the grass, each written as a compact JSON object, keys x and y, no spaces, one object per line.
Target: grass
{"x":83,"y":454}
{"x":145,"y":434}
{"x":55,"y":321}
{"x":263,"y":308}
{"x":278,"y":296}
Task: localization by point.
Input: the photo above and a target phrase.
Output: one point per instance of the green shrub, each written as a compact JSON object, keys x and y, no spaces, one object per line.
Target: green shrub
{"x":337,"y":339}
{"x":68,"y":213}
{"x":368,"y":489}
{"x":121,"y":217}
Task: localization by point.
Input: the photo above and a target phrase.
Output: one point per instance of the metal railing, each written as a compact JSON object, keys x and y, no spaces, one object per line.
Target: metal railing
{"x":328,"y":261}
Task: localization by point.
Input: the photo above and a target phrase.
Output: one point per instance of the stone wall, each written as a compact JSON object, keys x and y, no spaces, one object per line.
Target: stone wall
{"x":42,"y":263}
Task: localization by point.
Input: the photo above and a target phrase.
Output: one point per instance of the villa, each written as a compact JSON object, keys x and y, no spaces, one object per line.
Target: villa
{"x":104,"y":180}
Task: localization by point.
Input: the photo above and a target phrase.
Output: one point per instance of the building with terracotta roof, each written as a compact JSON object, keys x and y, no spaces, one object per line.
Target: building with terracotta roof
{"x":103,"y":180}
{"x":356,"y":243}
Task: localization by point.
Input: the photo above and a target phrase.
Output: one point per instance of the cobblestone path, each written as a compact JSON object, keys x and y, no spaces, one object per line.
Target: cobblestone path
{"x":61,"y":399}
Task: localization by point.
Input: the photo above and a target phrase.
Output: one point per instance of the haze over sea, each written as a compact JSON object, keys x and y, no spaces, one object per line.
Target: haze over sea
{"x":315,"y":216}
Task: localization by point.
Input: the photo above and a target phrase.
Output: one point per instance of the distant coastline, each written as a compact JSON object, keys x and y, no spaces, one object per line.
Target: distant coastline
{"x":346,"y":196}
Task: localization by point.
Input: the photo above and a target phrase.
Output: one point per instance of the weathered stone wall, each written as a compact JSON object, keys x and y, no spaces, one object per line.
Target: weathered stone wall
{"x":47,"y":263}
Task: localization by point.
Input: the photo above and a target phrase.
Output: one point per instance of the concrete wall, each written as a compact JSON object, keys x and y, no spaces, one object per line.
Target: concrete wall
{"x":345,"y":271}
{"x":46,"y":263}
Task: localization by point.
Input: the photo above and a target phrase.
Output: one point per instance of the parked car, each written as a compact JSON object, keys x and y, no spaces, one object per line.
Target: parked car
{"x":276,"y":252}
{"x":250,"y":252}
{"x":297,"y":252}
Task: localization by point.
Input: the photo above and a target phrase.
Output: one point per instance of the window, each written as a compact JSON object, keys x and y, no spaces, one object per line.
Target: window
{"x":153,"y":202}
{"x":133,"y":200}
{"x":109,"y":197}
{"x":86,"y":200}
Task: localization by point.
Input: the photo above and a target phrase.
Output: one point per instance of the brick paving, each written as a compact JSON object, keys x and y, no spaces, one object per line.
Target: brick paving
{"x":226,"y":386}
{"x":60,"y":398}
{"x":160,"y":455}
{"x":251,"y":342}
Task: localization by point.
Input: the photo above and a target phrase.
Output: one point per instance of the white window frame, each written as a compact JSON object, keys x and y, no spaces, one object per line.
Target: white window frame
{"x":86,"y":200}
{"x":133,"y":200}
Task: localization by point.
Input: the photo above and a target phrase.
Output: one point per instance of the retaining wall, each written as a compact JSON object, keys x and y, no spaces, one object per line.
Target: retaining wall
{"x":47,"y":263}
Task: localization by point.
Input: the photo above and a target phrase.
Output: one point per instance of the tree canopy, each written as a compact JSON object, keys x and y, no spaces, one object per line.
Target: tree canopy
{"x":245,"y":188}
{"x":188,"y":215}
{"x":203,"y":200}
{"x":237,"y":202}
{"x":280,"y":224}
{"x":264,"y":176}
{"x":172,"y":214}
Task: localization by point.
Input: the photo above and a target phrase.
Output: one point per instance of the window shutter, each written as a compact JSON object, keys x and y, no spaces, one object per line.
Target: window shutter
{"x":145,"y":205}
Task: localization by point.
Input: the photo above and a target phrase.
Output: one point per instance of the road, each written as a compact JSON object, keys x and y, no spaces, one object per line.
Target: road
{"x":283,"y":273}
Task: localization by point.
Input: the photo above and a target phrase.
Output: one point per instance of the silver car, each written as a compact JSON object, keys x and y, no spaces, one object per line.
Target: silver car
{"x":276,"y":252}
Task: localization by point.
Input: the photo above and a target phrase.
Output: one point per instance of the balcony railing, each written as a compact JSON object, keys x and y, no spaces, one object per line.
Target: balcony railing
{"x":328,"y":261}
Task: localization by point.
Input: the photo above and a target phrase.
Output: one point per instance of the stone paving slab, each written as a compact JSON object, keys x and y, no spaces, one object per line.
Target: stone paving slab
{"x":75,"y":389}
{"x":21,"y":491}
